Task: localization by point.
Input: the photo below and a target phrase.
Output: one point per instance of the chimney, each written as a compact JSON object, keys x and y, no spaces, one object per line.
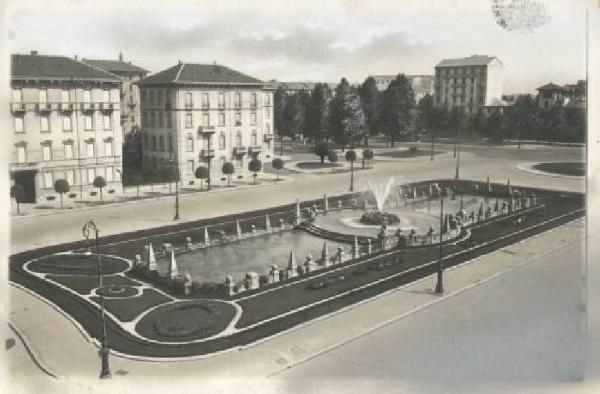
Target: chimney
{"x":120,"y":56}
{"x":34,"y":52}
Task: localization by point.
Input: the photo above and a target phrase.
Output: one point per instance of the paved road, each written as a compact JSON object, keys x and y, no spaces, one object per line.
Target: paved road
{"x":476,"y":163}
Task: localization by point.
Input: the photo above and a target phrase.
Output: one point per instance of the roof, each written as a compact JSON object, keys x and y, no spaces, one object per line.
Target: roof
{"x":496,"y":102}
{"x":116,"y":66}
{"x":550,"y":86}
{"x":475,"y":60}
{"x":193,"y":73}
{"x":56,"y":68}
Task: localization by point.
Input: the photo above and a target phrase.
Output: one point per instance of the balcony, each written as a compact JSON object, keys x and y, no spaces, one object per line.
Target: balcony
{"x":88,"y":107}
{"x":205,"y":106}
{"x":17,"y":107}
{"x":44,"y":107}
{"x":188,"y":105}
{"x":206,"y":130}
{"x":107,"y":107}
{"x":66,"y":107}
{"x":207,"y":153}
{"x":221,"y":105}
{"x":239,"y":150}
{"x":131,"y":102}
{"x":256,"y":149}
{"x":268,"y":137}
{"x":238,"y":122}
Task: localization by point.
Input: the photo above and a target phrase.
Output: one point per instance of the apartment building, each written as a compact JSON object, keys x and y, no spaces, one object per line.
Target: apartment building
{"x":129,"y":92}
{"x":65,"y":117}
{"x":205,"y":115}
{"x":571,"y":95}
{"x":468,"y":83}
{"x":422,"y":85}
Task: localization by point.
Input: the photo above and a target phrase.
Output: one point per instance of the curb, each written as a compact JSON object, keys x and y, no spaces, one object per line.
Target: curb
{"x":528,"y":167}
{"x":34,"y":357}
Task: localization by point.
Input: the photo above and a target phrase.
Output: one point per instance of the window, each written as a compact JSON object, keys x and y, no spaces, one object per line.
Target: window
{"x":151,"y":96}
{"x":154,"y":146}
{"x":89,"y":148}
{"x":70,"y":177}
{"x":108,"y":148}
{"x":91,"y":174}
{"x":254,"y":138}
{"x":205,"y":102}
{"x":87,"y":96}
{"x":43,"y":95}
{"x":169,"y":124}
{"x":253,"y":119}
{"x":253,"y":101}
{"x":159,"y":97}
{"x":222,"y":141}
{"x":240,"y":161}
{"x":221,"y":100}
{"x":18,"y":124}
{"x":267,"y":129}
{"x":106,"y":96}
{"x":48,"y":180}
{"x":267,"y":113}
{"x":69,"y":150}
{"x":144,"y":97}
{"x":21,"y":154}
{"x":67,"y":123}
{"x":89,"y":124}
{"x":238,"y":139}
{"x":190,"y":166}
{"x":238,"y":118}
{"x":221,"y":119}
{"x":205,"y":120}
{"x":268,"y":99}
{"x":238,"y":100}
{"x":170,"y":142}
{"x":160,"y":120}
{"x":188,"y":99}
{"x":161,"y":142}
{"x":188,"y":121}
{"x":17,"y":95}
{"x":44,"y":123}
{"x":152,"y":119}
{"x":47,"y":152}
{"x":189,"y":144}
{"x":110,"y":174}
{"x":64,"y":96}
{"x":106,"y":121}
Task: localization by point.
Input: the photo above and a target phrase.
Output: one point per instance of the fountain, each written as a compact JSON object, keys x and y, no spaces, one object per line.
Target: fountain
{"x":381,"y":191}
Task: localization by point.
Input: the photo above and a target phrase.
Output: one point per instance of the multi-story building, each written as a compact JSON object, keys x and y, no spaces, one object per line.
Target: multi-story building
{"x":572,"y":95}
{"x":129,"y":93}
{"x":422,"y":85}
{"x":296,"y":87}
{"x":205,"y":115}
{"x":65,"y":117}
{"x":468,"y":83}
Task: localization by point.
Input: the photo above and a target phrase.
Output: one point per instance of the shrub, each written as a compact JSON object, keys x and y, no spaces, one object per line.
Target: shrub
{"x":202,"y":174}
{"x":332,"y":157}
{"x":228,"y":169}
{"x":413,"y":150}
{"x":61,"y":186}
{"x":277,"y":164}
{"x":322,"y":150}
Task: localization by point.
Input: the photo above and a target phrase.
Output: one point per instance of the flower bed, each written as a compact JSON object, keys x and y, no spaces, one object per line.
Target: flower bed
{"x":85,"y":284}
{"x":77,"y":264}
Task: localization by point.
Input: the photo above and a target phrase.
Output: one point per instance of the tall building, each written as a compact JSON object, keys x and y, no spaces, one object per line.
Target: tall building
{"x":130,"y":92}
{"x":65,"y":117}
{"x":205,"y":114}
{"x":422,"y":85}
{"x":571,"y":95}
{"x":469,"y":83}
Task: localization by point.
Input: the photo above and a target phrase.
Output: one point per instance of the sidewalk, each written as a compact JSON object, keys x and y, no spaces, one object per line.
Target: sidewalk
{"x":64,"y":350}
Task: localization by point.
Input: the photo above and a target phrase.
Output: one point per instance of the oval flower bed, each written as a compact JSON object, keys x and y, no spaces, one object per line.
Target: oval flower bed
{"x":77,"y":264}
{"x":186,"y":320}
{"x":117,"y":291}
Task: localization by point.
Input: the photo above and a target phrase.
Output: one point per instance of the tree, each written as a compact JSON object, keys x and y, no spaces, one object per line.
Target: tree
{"x":354,"y":122}
{"x":18,"y":193}
{"x":282,"y":113}
{"x":255,"y":166}
{"x":554,"y":122}
{"x":298,"y":113}
{"x":367,"y":155}
{"x":369,"y":98}
{"x":137,"y":180}
{"x":397,"y":104}
{"x":202,"y":174}
{"x":228,"y":169}
{"x":132,"y":150}
{"x":496,"y":126}
{"x":61,"y":186}
{"x":332,"y":157}
{"x":277,"y":164}
{"x":351,"y":157}
{"x":322,"y":150}
{"x":316,"y":113}
{"x":523,"y":117}
{"x":336,"y":112}
{"x":99,"y":183}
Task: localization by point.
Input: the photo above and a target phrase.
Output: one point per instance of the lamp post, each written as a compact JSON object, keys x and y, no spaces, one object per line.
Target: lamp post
{"x":439,"y":286}
{"x":432,"y":144}
{"x":457,"y":174}
{"x":175,"y":174}
{"x":88,"y":228}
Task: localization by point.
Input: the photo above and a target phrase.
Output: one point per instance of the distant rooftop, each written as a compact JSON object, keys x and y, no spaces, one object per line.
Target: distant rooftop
{"x":34,"y":66}
{"x":475,"y":60}
{"x":116,"y":66}
{"x":550,"y":86}
{"x":300,"y":85}
{"x":193,"y":73}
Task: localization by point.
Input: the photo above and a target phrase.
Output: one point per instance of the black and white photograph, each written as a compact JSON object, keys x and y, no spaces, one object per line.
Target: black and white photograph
{"x":334,"y":196}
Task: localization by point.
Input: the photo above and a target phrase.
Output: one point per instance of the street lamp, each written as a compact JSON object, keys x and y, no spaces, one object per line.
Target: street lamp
{"x":457,"y":174}
{"x":175,"y":174}
{"x":439,"y":286}
{"x":432,"y":144}
{"x":88,"y":228}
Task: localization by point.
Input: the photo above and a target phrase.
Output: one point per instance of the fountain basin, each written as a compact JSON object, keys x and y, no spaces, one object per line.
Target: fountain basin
{"x":377,"y":218}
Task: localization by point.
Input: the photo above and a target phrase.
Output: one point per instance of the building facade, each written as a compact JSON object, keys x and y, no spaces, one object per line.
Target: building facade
{"x":422,"y":85}
{"x":65,"y":117}
{"x":205,"y":115}
{"x":129,"y":92}
{"x":468,"y":83}
{"x":572,"y":95}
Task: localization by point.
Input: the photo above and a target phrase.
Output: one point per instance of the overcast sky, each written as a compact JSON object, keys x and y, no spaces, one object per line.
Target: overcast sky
{"x":320,"y":40}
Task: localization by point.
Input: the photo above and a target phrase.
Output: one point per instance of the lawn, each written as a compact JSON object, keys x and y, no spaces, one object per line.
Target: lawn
{"x":567,"y":168}
{"x":128,"y":309}
{"x":85,"y":284}
{"x":317,"y":165}
{"x":77,"y":264}
{"x":407,"y":154}
{"x":186,"y":320}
